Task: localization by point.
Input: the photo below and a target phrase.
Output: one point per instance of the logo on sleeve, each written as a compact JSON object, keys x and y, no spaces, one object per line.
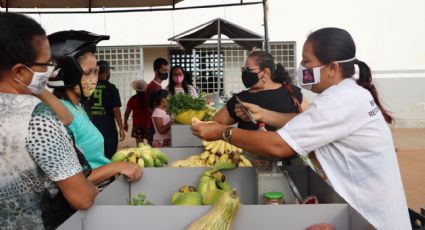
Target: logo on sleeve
{"x":375,"y":109}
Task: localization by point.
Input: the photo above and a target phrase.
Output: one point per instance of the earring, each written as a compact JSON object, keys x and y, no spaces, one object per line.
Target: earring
{"x":330,"y":79}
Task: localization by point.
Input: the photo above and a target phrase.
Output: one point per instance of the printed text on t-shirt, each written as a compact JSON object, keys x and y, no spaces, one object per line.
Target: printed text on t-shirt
{"x":375,"y":109}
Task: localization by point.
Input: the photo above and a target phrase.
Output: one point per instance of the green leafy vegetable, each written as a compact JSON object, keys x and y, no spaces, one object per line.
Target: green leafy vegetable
{"x":140,"y":199}
{"x":183,"y":102}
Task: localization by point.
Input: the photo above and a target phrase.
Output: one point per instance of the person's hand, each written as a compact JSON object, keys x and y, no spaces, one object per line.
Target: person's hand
{"x":255,"y":110}
{"x":126,"y":127}
{"x":122,"y":134}
{"x":130,"y":171}
{"x":209,"y":131}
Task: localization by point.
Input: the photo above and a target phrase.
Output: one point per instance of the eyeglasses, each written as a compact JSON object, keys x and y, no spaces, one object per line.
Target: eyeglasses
{"x":247,"y":69}
{"x":94,"y":71}
{"x":51,"y":62}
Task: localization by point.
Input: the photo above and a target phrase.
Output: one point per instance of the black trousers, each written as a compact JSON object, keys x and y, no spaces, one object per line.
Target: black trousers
{"x":111,"y":145}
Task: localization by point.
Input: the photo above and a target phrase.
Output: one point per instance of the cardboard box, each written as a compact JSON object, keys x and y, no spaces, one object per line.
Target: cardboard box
{"x":181,"y":136}
{"x":111,"y":212}
{"x":181,"y":153}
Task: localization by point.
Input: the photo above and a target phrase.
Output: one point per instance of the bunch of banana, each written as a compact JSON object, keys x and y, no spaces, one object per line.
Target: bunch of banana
{"x":187,"y":195}
{"x":212,"y":186}
{"x":144,"y":156}
{"x":215,"y":152}
{"x":221,"y":151}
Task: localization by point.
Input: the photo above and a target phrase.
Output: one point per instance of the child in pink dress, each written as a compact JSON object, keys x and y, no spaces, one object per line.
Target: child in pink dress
{"x":161,"y":119}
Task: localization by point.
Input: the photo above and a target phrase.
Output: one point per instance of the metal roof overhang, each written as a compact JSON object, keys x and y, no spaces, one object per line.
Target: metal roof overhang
{"x":85,"y":3}
{"x":204,"y":32}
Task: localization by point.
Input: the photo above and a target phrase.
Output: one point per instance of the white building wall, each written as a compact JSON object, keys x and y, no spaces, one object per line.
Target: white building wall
{"x":150,"y":54}
{"x":389,"y":34}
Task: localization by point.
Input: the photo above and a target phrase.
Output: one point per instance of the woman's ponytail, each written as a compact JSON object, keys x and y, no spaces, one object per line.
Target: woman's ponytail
{"x":365,"y":80}
{"x":280,"y":75}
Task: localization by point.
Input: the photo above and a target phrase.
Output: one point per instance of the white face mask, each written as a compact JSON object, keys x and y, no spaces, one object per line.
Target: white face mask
{"x":39,"y":80}
{"x":307,"y":77}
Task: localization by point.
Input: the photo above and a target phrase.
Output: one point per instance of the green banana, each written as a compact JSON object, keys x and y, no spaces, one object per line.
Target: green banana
{"x":140,"y":162}
{"x":211,"y":196}
{"x":224,"y":186}
{"x":212,"y":185}
{"x":160,"y":155}
{"x":119,"y":156}
{"x":223,"y":166}
{"x":175,"y":196}
{"x":158,"y":162}
{"x":190,"y":198}
{"x":206,"y":173}
{"x":149,"y":161}
{"x":132,"y":157}
{"x":204,"y":179}
{"x":142,"y":145}
{"x":203,"y":185}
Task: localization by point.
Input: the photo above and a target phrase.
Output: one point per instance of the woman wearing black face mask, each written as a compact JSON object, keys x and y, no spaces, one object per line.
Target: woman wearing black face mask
{"x":269,"y":86}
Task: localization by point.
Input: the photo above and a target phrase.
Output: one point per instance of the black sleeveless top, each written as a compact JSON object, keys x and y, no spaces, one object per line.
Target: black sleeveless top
{"x":277,"y":100}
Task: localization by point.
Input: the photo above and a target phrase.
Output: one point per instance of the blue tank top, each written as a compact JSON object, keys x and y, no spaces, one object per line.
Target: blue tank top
{"x":87,"y":137}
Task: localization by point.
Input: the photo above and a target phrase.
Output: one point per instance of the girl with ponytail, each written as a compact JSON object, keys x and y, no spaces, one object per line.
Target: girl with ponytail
{"x":345,"y":129}
{"x":269,"y":86}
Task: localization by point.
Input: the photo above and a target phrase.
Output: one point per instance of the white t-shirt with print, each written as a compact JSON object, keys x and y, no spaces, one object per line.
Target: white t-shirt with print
{"x":354,"y":146}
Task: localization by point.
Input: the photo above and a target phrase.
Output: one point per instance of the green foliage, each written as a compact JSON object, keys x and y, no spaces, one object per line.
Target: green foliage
{"x":140,"y":199}
{"x":183,"y":102}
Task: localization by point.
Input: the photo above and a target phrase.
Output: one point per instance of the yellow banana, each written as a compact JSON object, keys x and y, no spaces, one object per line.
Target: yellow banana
{"x":228,"y":148}
{"x":205,"y":143}
{"x":176,"y":164}
{"x":234,"y":149}
{"x":221,"y":148}
{"x":239,"y":150}
{"x":193,"y":158}
{"x":224,"y":157}
{"x":245,"y":161}
{"x":211,"y":159}
{"x":204,"y":155}
{"x":215,"y":149}
{"x":211,"y":145}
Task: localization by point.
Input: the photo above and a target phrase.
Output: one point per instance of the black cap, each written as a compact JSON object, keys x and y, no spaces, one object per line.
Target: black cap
{"x":104,"y":66}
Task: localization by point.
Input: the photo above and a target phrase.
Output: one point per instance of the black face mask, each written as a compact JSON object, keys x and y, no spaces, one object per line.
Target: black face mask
{"x":163,"y":76}
{"x":249,"y":79}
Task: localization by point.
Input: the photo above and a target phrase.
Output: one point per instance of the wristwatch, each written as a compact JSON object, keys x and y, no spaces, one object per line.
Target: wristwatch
{"x":227,"y":134}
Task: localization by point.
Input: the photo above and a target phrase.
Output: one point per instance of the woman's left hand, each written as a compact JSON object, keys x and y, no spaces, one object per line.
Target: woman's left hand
{"x":130,"y":171}
{"x":209,"y":131}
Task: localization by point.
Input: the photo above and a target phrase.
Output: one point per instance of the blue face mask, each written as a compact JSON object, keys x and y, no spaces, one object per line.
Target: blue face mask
{"x":307,"y":77}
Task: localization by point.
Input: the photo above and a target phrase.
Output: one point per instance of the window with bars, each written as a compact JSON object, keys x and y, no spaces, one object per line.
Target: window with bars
{"x":203,"y":63}
{"x":127,"y":63}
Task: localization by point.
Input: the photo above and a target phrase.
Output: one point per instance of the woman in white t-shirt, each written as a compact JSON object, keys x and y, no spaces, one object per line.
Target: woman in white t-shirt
{"x":179,"y":84}
{"x":345,"y":128}
{"x":161,"y":119}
